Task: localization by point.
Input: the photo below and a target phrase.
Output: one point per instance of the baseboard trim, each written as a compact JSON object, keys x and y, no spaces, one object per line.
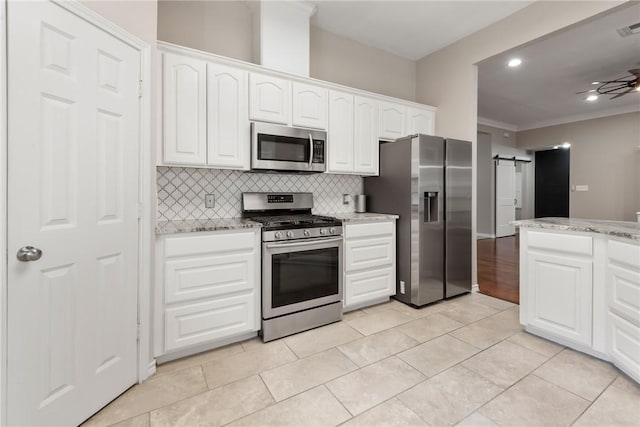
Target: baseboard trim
{"x":485,"y":236}
{"x":475,"y":288}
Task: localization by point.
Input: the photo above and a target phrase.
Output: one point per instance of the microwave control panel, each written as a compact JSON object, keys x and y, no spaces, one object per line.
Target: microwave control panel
{"x":318,"y":151}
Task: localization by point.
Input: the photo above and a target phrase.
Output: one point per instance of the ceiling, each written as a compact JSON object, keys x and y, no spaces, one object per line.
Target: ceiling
{"x":542,"y":90}
{"x":411,"y":29}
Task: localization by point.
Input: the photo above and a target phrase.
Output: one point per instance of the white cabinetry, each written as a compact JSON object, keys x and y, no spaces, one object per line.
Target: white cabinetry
{"x":227,"y":122}
{"x":340,"y":135}
{"x":369,"y":264}
{"x":269,"y":99}
{"x":208,"y":289}
{"x":365,"y":141}
{"x":583,"y":291}
{"x":392,"y":120}
{"x":309,"y":106}
{"x":421,"y":121}
{"x":185,"y":104}
{"x":623,"y":285}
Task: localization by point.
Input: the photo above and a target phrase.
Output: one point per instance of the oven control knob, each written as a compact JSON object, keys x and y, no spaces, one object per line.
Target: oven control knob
{"x":323,"y":231}
{"x":289,"y":234}
{"x":332,"y":230}
{"x":307,"y":233}
{"x":277,"y":235}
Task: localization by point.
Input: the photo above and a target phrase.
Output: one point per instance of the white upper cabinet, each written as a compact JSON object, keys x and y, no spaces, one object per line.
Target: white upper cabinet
{"x":269,"y":99}
{"x":366,"y":144}
{"x":392,"y":120}
{"x":421,"y":121}
{"x":185,"y":104}
{"x":227,"y":121}
{"x":340,"y":135}
{"x":309,"y":106}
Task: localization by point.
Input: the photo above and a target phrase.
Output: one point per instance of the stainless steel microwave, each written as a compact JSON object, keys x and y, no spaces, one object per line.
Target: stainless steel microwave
{"x":287,"y":149}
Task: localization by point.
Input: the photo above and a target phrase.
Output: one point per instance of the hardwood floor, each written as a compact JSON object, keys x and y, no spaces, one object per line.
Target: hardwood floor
{"x":498,"y":268}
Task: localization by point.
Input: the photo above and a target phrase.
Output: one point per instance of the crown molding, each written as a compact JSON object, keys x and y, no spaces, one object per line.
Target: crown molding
{"x":496,"y":124}
{"x":580,"y":117}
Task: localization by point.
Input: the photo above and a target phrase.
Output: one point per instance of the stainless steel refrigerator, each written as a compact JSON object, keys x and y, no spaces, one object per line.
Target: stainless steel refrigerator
{"x":427,"y":181}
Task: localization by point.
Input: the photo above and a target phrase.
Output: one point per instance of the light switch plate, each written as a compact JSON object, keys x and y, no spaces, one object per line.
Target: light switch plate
{"x":345,"y":199}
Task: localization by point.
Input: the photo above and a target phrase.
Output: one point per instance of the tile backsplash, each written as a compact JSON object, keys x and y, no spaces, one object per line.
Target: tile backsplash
{"x":181,"y":191}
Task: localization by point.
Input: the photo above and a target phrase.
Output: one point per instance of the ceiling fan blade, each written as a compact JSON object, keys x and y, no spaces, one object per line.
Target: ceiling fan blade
{"x":623,"y":93}
{"x":635,"y":72}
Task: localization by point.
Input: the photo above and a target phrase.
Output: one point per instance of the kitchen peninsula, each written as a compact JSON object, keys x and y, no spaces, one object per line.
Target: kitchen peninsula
{"x":580,"y":286}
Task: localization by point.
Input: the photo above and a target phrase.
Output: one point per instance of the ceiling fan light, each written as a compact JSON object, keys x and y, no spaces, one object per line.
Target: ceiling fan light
{"x":514,"y":62}
{"x":592,"y":98}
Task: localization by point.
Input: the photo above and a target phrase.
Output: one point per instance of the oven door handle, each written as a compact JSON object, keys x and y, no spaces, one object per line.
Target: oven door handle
{"x":309,"y":242}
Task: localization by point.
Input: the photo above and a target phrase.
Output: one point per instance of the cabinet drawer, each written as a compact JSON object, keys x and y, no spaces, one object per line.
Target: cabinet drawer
{"x":209,"y":243}
{"x":582,"y":245}
{"x":624,"y":292}
{"x":369,"y":253}
{"x":624,"y":253}
{"x":624,"y":345}
{"x":200,"y":322}
{"x":373,"y":229}
{"x":208,"y":276}
{"x":365,"y":286}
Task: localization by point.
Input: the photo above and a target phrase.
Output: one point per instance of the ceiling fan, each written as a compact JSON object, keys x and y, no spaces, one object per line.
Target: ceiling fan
{"x":618,"y":87}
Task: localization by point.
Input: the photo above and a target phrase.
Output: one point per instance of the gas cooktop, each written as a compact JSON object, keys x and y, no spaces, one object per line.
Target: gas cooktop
{"x":282,"y":222}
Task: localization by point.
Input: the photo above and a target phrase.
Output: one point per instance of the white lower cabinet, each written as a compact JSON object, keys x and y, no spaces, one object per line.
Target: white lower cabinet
{"x":583,"y":291}
{"x":208,"y":288}
{"x":623,"y":286}
{"x":369,"y":263}
{"x":559,"y":295}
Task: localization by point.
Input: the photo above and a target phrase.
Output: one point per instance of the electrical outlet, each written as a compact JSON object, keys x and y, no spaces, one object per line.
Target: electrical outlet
{"x":209,"y":201}
{"x":345,"y":199}
{"x":402,"y":290}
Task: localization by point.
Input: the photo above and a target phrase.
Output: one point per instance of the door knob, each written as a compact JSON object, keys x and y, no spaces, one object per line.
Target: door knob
{"x":28,"y":253}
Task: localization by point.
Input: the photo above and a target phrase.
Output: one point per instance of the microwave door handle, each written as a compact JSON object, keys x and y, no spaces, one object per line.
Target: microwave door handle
{"x":310,"y":151}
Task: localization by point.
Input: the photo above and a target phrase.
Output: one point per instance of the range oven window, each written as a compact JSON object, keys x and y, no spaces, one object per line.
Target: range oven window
{"x":303,"y":276}
{"x":283,"y":148}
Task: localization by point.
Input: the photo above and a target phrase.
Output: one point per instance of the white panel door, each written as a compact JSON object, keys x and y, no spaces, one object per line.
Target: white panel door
{"x":309,"y":106}
{"x":228,"y":144}
{"x":392,"y":120}
{"x":505,"y":198}
{"x":560,"y":295}
{"x":73,"y":194}
{"x":185,"y":109}
{"x":366,"y":149}
{"x":340,"y":134}
{"x":421,"y":121}
{"x":269,"y":99}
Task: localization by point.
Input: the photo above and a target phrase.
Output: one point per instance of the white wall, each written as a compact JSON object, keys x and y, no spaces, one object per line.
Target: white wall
{"x":225,"y":28}
{"x":448,"y":78}
{"x":605,"y":155}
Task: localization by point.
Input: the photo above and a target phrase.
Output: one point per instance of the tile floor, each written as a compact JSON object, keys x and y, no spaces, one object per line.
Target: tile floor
{"x":463,"y":362}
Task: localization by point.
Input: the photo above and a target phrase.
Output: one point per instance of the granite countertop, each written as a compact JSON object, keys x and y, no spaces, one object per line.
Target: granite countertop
{"x":624,"y":229}
{"x":367,"y":216}
{"x":195,"y":225}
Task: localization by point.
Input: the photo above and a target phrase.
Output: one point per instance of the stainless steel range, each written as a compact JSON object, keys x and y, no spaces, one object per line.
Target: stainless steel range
{"x":301,"y":263}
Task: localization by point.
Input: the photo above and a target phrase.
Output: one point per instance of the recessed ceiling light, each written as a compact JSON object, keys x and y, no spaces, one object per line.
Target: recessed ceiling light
{"x":515,"y":62}
{"x":592,"y":98}
{"x":595,"y":83}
